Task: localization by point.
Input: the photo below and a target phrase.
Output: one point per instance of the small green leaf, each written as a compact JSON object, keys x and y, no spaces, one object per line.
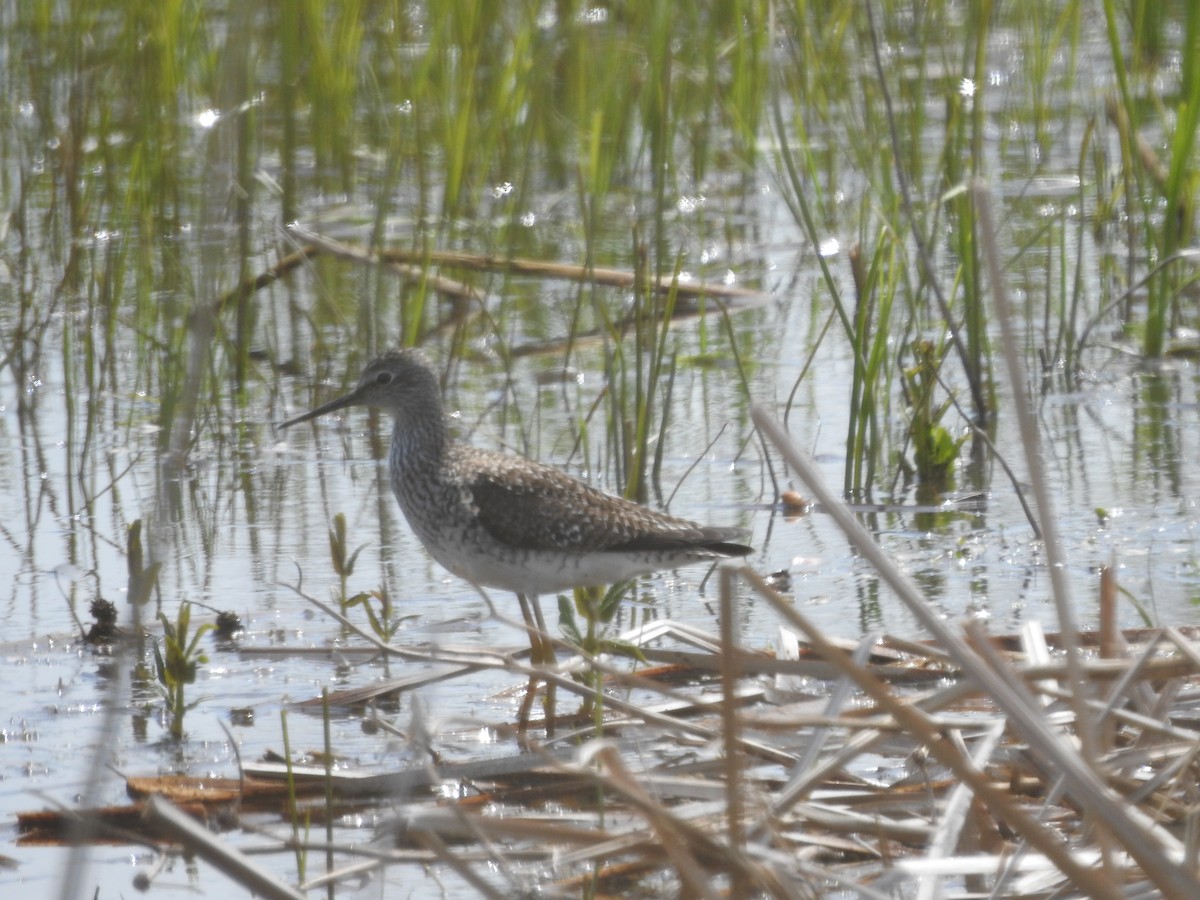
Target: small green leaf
{"x":566,"y":620}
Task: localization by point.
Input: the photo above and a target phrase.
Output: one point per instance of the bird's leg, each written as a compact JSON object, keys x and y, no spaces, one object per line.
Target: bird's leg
{"x":547,"y":654}
{"x":531,"y":627}
{"x":547,"y":647}
{"x":535,"y":657}
{"x":541,"y":652}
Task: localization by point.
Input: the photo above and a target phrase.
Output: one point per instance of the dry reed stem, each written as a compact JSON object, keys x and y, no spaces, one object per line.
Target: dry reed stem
{"x":811,"y":824}
{"x":1157,"y":852}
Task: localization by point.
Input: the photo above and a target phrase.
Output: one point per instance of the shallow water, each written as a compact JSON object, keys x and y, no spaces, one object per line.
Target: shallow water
{"x":247,"y":517}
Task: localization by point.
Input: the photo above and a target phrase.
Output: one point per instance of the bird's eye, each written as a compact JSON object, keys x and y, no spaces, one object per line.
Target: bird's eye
{"x":383,"y":378}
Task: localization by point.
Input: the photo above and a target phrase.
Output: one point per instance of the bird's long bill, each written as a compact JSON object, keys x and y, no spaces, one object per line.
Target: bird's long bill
{"x":332,"y":406}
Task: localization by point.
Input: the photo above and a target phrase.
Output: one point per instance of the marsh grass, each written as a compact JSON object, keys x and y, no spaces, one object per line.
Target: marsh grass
{"x":1158,"y":194}
{"x":342,"y":560}
{"x":177,"y":662}
{"x":917,"y":195}
{"x":508,"y":99}
{"x":296,"y":818}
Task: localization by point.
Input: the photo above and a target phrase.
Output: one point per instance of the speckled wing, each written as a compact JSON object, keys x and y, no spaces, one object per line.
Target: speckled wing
{"x":531,"y":505}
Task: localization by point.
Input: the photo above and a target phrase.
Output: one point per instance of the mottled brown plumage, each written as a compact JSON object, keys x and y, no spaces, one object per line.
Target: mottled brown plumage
{"x":505,"y":521}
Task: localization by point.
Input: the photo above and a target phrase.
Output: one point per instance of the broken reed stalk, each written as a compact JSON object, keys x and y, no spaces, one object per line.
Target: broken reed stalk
{"x":210,"y":847}
{"x":413,"y":265}
{"x":731,"y":727}
{"x":1004,"y":806}
{"x":684,"y":842}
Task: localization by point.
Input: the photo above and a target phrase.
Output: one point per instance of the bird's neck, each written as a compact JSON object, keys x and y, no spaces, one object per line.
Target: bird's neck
{"x":419,"y":442}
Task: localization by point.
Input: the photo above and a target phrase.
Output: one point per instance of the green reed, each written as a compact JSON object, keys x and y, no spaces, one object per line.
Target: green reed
{"x":597,"y":608}
{"x":345,"y":73}
{"x":921,"y":198}
{"x":966,"y":147}
{"x":609,"y":110}
{"x":806,"y":180}
{"x":176,"y":664}
{"x":343,"y":561}
{"x":1148,"y":181}
{"x":875,"y":291}
{"x":299,"y":820}
{"x":331,"y":35}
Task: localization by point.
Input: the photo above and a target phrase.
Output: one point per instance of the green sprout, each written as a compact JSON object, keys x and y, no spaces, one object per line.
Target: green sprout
{"x":176,"y":668}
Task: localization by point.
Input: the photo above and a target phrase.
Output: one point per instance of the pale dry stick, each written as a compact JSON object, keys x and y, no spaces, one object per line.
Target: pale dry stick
{"x":341,"y":250}
{"x":672,"y":834}
{"x":605,"y":845}
{"x":1036,"y":652}
{"x":1056,"y":782}
{"x":1137,"y":757}
{"x":228,"y":859}
{"x":802,"y":777}
{"x":470,"y":662}
{"x":757,"y":664}
{"x":866,"y":826}
{"x":954,"y":813}
{"x":82,"y":831}
{"x":1186,"y":647}
{"x":772,"y":868}
{"x":475,"y":826}
{"x":922,"y":729}
{"x":1152,"y":724}
{"x":355,"y":871}
{"x":1165,"y":699}
{"x":1192,"y":839}
{"x":620,"y":278}
{"x":439,"y":848}
{"x":1159,"y":669}
{"x":379,"y":859}
{"x":1132,"y":683}
{"x":1112,"y":642}
{"x":960,"y":867}
{"x":412,"y":264}
{"x":679,"y":838}
{"x":934,"y":655}
{"x":457,"y":824}
{"x":382,"y":856}
{"x":1181,"y":765}
{"x":837,"y":699}
{"x":1158,"y":857}
{"x":731,"y":730}
{"x":804,"y":781}
{"x":1081,"y":690}
{"x":1056,"y":562}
